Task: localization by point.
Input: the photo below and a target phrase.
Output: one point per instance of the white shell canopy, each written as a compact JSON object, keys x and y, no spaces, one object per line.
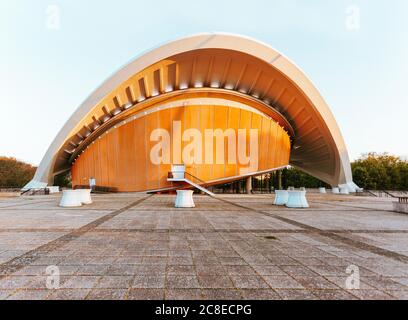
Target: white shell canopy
{"x":223,"y":61}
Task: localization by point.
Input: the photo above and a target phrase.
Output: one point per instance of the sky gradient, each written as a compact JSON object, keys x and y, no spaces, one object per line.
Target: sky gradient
{"x":47,"y":72}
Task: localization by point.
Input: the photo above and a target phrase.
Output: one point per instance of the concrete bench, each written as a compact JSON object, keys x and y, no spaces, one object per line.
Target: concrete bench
{"x":322,"y":190}
{"x":281,"y":197}
{"x":184,"y":199}
{"x":297,"y":199}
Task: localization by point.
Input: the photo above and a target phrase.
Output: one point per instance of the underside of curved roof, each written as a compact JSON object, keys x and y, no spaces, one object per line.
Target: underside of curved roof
{"x":245,"y":68}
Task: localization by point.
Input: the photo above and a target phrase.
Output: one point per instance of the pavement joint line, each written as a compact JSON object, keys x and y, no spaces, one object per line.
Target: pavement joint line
{"x":198,"y":209}
{"x":353,"y":206}
{"x":133,"y":230}
{"x":250,"y":231}
{"x":24,"y":204}
{"x":332,"y":235}
{"x":53,"y":209}
{"x":25,"y":259}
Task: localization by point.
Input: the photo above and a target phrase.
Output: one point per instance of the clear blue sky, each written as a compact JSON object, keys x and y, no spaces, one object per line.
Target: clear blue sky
{"x":46,"y":73}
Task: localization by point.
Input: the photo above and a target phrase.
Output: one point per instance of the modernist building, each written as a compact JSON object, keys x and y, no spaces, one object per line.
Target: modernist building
{"x":219,"y":83}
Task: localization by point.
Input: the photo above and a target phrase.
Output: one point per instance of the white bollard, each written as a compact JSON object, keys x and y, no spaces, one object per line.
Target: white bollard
{"x":344,"y":191}
{"x":53,"y":189}
{"x":335,"y":190}
{"x":184,"y":199}
{"x":84,"y":196}
{"x":297,"y":199}
{"x":322,"y":190}
{"x":70,"y":198}
{"x":281,"y":197}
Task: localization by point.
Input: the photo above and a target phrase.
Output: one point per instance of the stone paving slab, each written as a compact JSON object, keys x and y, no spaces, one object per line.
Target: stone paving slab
{"x":131,"y":246}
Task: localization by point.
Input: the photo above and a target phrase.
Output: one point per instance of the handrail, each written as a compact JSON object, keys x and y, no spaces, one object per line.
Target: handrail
{"x":199,"y":184}
{"x":25,"y":191}
{"x":203,"y":182}
{"x":372,"y":193}
{"x":389,"y":194}
{"x":385,"y":193}
{"x":35,"y":190}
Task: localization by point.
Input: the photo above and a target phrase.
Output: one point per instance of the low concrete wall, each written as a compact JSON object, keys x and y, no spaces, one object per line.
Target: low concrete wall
{"x":9,"y":194}
{"x":400,"y":207}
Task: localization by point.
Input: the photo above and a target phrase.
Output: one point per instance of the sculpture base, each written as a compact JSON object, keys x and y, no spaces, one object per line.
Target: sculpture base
{"x":84,"y":195}
{"x":297,"y":199}
{"x":184,"y":199}
{"x":70,"y":198}
{"x":281,"y":197}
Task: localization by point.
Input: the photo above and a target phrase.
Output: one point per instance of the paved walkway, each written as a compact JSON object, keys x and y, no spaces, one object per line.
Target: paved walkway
{"x":135,"y":246}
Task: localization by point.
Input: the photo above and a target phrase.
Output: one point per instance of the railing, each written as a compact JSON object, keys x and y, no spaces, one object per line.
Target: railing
{"x":403,"y":200}
{"x":196,"y":178}
{"x":192,"y":177}
{"x":35,"y":191}
{"x":371,"y":193}
{"x":25,"y":191}
{"x":202,"y":183}
{"x":386,"y":194}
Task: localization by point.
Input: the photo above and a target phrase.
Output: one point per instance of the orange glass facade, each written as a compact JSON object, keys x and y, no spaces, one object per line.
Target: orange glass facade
{"x":120,"y":158}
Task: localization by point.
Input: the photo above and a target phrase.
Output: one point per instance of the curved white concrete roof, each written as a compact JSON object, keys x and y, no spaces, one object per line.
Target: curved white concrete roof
{"x":319,"y":146}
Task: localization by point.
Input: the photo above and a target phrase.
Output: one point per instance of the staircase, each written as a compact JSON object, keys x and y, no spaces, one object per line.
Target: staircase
{"x":34,"y":192}
{"x":180,"y":175}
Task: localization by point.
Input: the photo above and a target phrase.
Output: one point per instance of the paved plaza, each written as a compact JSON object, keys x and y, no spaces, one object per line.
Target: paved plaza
{"x":138,"y":246}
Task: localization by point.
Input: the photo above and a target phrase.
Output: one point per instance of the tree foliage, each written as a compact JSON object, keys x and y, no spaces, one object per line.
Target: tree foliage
{"x":15,"y":173}
{"x":63,"y":180}
{"x":380,"y":171}
{"x":293,"y":177}
{"x":372,"y":171}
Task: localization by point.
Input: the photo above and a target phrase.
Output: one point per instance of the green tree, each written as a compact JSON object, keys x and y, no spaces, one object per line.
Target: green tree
{"x":375,"y":171}
{"x":293,"y":177}
{"x":63,"y":180}
{"x":380,"y":171}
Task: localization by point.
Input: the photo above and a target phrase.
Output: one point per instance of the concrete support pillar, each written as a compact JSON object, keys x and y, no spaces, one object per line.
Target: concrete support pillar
{"x":249,"y":185}
{"x":238,"y":186}
{"x":279,"y":180}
